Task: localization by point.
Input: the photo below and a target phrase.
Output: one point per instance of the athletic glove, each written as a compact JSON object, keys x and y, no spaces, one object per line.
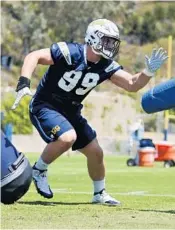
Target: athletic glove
{"x":155,"y":61}
{"x":22,"y":89}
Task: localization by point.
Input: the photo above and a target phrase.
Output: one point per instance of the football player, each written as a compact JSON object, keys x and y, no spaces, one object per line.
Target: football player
{"x":55,"y":109}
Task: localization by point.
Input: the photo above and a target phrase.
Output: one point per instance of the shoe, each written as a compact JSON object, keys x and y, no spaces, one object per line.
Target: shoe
{"x":103,"y":198}
{"x":41,"y":183}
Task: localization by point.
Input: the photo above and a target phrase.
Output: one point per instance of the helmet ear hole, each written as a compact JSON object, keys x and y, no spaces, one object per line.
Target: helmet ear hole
{"x":89,"y":42}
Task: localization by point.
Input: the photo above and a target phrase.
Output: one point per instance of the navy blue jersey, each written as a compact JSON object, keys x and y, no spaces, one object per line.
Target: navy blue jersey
{"x":72,"y":77}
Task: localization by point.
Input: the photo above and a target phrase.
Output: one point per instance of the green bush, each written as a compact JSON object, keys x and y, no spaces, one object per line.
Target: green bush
{"x":150,"y":123}
{"x":19,"y":118}
{"x":118,"y":128}
{"x":105,"y":110}
{"x":88,"y":110}
{"x":172,"y":113}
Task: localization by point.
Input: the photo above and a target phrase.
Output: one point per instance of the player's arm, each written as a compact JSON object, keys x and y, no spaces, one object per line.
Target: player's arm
{"x":34,"y":58}
{"x":31,"y":61}
{"x":129,"y":82}
{"x":133,"y":83}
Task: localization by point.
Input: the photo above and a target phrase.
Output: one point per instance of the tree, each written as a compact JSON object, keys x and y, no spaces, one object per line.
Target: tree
{"x":27,"y":30}
{"x":148,"y":28}
{"x":159,"y":13}
{"x":19,"y":117}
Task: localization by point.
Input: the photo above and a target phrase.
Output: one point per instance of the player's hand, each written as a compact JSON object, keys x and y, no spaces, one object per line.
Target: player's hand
{"x":22,"y":89}
{"x":155,"y":61}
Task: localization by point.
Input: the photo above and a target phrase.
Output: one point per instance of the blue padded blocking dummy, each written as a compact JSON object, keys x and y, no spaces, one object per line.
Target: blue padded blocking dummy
{"x":159,"y":98}
{"x":16,"y":172}
{"x":9,"y":155}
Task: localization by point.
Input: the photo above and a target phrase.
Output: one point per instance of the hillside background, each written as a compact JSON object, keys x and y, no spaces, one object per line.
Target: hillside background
{"x":31,"y":25}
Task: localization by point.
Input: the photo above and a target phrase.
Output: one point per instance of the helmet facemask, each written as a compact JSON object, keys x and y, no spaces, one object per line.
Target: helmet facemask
{"x":107,"y":46}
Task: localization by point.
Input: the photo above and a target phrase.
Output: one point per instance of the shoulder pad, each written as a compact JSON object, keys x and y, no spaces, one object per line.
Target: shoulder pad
{"x":112,"y":66}
{"x":65,"y":51}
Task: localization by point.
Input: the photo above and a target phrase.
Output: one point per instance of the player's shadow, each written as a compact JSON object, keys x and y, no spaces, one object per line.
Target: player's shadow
{"x":49,"y":203}
{"x":54,"y":203}
{"x":163,"y":211}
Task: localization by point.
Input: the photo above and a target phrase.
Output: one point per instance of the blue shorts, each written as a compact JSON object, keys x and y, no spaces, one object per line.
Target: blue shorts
{"x":52,"y":123}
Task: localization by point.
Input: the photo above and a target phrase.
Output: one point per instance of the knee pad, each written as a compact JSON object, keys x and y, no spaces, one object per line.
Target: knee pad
{"x":16,"y":172}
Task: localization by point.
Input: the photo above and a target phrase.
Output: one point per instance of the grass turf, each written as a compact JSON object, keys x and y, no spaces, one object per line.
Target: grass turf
{"x":147,"y":196}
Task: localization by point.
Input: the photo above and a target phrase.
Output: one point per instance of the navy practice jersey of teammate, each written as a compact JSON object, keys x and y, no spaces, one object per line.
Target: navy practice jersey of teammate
{"x":72,"y":77}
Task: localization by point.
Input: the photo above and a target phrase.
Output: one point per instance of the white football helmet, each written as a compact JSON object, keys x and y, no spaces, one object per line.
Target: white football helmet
{"x":103,"y":37}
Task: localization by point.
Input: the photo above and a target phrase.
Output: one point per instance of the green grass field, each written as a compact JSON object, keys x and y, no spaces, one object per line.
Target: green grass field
{"x":147,"y":196}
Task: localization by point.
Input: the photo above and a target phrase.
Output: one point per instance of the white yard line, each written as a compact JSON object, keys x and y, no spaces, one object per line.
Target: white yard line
{"x":133,"y":193}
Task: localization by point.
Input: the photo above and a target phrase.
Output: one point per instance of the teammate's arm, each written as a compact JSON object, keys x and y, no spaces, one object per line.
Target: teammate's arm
{"x":133,"y":83}
{"x":34,"y":58}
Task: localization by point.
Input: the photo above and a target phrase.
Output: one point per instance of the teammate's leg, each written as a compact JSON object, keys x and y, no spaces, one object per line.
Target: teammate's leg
{"x":96,"y":169}
{"x":60,"y":136}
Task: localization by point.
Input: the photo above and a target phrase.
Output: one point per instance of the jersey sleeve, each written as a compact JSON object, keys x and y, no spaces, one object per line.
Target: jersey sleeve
{"x":112,"y":67}
{"x":59,"y":52}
